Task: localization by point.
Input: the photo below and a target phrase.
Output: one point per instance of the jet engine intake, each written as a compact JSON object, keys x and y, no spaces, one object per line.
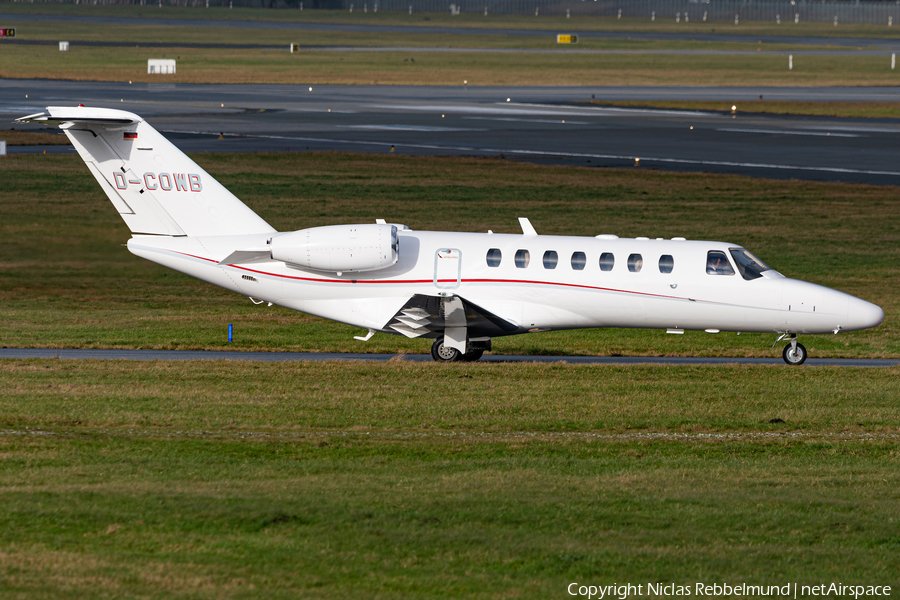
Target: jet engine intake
{"x":339,"y":248}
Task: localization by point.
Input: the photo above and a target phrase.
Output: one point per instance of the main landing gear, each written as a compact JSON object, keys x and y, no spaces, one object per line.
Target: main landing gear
{"x":794,"y":353}
{"x":442,"y":353}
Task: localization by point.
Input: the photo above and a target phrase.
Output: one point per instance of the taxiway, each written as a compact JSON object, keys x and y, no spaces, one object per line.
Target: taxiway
{"x":555,"y":125}
{"x":98,"y":354}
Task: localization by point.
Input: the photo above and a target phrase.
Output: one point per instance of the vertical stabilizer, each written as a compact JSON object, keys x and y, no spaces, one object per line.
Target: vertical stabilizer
{"x":153,"y":185}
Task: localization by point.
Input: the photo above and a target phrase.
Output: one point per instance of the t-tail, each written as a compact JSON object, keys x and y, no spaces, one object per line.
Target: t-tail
{"x":155,"y":187}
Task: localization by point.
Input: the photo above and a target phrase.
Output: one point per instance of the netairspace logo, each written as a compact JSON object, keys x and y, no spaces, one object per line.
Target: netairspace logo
{"x":791,"y":590}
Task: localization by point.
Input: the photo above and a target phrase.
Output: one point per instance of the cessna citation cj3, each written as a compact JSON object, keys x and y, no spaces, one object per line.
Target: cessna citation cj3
{"x":459,"y":289}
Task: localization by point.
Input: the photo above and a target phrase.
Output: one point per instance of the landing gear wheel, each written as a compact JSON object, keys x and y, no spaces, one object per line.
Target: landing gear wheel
{"x":442,"y":353}
{"x":472,"y":355}
{"x":794,"y":356}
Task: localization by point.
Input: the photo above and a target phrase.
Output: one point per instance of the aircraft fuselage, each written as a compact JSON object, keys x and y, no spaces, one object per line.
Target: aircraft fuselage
{"x":574,"y":293}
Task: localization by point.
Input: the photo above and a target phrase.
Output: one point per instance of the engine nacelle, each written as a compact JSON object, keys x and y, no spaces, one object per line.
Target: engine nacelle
{"x":338,"y":248}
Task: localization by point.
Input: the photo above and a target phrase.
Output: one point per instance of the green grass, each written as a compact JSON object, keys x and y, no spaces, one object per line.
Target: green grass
{"x":328,"y":480}
{"x":226,"y":396}
{"x":277,"y":65}
{"x":401,"y":480}
{"x":398,"y":480}
{"x":174,"y":35}
{"x":468,"y":20}
{"x":199,"y":65}
{"x":68,"y":282}
{"x":41,"y":137}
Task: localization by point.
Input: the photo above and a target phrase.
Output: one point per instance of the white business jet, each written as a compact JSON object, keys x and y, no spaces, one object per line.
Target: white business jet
{"x":459,"y":289}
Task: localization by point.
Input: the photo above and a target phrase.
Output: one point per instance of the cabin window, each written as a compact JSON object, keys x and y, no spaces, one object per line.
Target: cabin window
{"x":635,"y":263}
{"x":578,"y":261}
{"x":607,"y":261}
{"x":666,"y":263}
{"x":550,"y":259}
{"x":717,"y":263}
{"x":494,"y":256}
{"x":749,"y":266}
{"x":523,"y":257}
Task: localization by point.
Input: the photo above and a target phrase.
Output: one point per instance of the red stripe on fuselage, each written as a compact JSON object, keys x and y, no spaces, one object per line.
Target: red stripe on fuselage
{"x":411,"y":281}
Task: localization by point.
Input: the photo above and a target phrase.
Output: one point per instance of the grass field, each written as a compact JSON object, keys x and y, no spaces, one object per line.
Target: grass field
{"x":468,"y":20}
{"x":401,"y":480}
{"x":277,"y":65}
{"x":42,"y":137}
{"x":175,"y":34}
{"x":67,"y":281}
{"x":199,"y":65}
{"x":323,"y":481}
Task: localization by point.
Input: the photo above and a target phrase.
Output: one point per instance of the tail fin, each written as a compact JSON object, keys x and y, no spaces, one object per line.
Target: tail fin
{"x":155,"y":187}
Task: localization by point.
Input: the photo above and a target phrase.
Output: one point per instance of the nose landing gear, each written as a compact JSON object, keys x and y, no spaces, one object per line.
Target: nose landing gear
{"x":794,"y":353}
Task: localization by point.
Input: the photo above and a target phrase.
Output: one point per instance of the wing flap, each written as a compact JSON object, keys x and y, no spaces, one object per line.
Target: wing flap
{"x":423,"y":316}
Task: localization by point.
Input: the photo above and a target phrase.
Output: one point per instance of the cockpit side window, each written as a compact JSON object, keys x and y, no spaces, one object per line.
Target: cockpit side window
{"x":717,"y":263}
{"x":748,"y":265}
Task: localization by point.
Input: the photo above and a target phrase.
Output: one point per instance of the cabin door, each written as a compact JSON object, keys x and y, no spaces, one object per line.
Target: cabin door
{"x":447,"y":268}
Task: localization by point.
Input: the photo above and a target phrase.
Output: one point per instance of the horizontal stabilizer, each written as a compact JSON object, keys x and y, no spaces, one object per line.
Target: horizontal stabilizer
{"x":80,"y":114}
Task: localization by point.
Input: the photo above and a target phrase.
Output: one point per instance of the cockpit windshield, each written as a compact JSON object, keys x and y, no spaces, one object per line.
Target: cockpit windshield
{"x":749,"y":266}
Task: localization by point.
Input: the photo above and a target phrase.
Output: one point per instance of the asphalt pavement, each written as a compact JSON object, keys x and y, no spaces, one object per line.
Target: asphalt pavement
{"x":91,"y":354}
{"x":549,"y":125}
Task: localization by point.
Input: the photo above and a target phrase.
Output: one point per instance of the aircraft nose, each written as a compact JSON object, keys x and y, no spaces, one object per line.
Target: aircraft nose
{"x":863,"y":315}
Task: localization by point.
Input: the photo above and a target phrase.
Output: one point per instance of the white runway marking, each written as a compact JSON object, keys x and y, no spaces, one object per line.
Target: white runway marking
{"x":513,"y":108}
{"x":790,"y":132}
{"x":533,"y":153}
{"x":500,"y":109}
{"x":861,"y":129}
{"x":618,"y":109}
{"x":568,"y":122}
{"x":406,"y":128}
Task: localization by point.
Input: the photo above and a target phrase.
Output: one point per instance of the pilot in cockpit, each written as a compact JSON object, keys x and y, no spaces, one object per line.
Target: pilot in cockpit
{"x":717,"y":264}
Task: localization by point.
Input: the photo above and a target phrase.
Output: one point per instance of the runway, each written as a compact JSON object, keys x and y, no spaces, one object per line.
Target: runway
{"x":549,"y":125}
{"x":90,"y":354}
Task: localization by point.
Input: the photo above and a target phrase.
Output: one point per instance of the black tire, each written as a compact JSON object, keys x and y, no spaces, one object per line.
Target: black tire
{"x":442,"y":353}
{"x":794,"y":358}
{"x":472,"y":355}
